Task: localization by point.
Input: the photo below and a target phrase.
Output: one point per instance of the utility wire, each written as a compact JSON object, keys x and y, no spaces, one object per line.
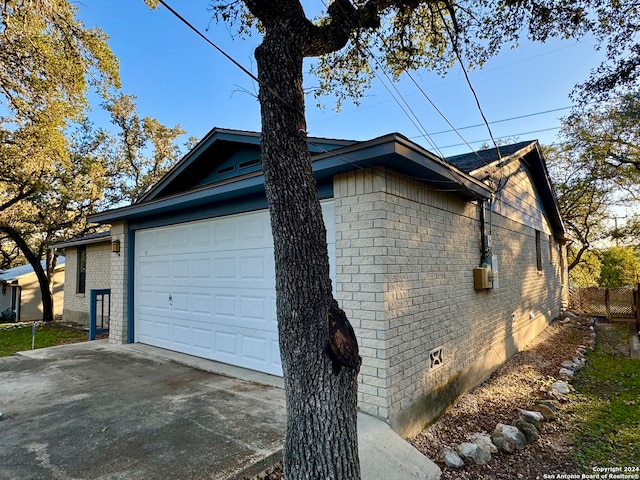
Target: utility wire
{"x":507,"y":136}
{"x":440,"y":113}
{"x":230,"y":58}
{"x":413,"y":118}
{"x":503,"y":120}
{"x":454,"y":42}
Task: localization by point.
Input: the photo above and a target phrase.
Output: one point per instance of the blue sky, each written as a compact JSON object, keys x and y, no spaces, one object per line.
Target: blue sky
{"x":180,"y":79}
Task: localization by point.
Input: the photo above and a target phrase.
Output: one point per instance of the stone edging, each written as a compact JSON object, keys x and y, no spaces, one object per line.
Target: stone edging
{"x":15,"y":326}
{"x":508,"y":438}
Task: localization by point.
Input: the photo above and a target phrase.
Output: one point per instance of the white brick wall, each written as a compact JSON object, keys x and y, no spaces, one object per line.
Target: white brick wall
{"x":405,"y":255}
{"x":119,"y":285}
{"x":98,"y":275}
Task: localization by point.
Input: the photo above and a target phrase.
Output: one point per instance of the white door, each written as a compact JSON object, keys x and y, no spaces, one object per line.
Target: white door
{"x":207,"y":288}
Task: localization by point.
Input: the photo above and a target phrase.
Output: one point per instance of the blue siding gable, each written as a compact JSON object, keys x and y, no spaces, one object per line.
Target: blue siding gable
{"x":239,"y":162}
{"x":220,"y":156}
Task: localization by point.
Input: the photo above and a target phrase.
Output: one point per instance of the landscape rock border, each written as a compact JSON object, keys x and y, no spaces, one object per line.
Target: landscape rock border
{"x":509,"y":437}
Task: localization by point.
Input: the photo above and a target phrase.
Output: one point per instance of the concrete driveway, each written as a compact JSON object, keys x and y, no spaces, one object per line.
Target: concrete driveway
{"x":91,"y":411}
{"x":94,"y":411}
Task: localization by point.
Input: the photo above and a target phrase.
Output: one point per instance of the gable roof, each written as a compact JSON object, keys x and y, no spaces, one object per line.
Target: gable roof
{"x":197,"y":179}
{"x":468,"y":162}
{"x":224,"y":143}
{"x":224,"y":167}
{"x":14,"y":274}
{"x":476,"y":164}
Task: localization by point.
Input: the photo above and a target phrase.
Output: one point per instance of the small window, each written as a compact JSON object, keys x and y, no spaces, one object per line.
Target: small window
{"x":82,"y":270}
{"x":551,"y":249}
{"x":538,"y":251}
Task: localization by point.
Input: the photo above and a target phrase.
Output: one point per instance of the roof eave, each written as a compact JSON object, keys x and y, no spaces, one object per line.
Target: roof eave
{"x":78,"y":242}
{"x":382,"y":151}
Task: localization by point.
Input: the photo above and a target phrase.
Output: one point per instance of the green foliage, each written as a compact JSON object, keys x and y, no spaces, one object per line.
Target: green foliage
{"x":7,"y":316}
{"x":605,"y":138}
{"x":629,"y":233}
{"x":50,"y":62}
{"x":19,"y":339}
{"x":55,"y":166}
{"x":142,"y":153}
{"x":584,"y":200}
{"x":595,"y":169}
{"x":607,"y":409}
{"x":620,"y":267}
{"x":586,"y":272}
{"x":405,"y":36}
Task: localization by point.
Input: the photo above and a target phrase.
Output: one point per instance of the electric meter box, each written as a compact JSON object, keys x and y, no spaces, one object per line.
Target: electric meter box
{"x":482,"y":277}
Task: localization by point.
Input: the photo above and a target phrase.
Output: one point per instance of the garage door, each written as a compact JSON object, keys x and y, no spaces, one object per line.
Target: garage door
{"x":207,"y":288}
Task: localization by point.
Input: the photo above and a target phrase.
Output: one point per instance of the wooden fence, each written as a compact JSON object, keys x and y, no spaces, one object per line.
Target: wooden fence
{"x":612,"y":303}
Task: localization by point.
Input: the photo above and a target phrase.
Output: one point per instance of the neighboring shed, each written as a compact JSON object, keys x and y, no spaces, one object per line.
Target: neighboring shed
{"x":407,"y":234}
{"x":88,"y":268}
{"x":20,"y":295}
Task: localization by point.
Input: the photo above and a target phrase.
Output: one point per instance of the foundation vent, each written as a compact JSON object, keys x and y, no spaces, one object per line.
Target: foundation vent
{"x":435,"y":358}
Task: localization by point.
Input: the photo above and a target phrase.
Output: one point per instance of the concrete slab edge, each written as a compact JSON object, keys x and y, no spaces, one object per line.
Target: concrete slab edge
{"x":260,"y":467}
{"x":206,"y":365}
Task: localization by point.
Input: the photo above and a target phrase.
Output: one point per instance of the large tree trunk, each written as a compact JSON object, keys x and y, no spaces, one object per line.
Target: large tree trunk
{"x":321,"y":439}
{"x":43,"y":280}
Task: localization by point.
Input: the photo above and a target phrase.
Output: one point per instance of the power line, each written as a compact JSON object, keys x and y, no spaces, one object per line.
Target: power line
{"x":428,"y":137}
{"x":230,"y":58}
{"x":454,"y":42}
{"x":503,"y":120}
{"x":453,"y":129}
{"x":506,"y":136}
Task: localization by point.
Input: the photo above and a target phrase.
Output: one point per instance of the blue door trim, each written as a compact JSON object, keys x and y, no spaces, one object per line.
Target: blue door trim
{"x":130,"y":282}
{"x":95,"y":296}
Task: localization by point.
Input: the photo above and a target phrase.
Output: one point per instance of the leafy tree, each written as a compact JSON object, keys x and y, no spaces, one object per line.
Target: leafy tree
{"x":584,"y":200}
{"x":55,"y":167}
{"x":587,"y":272}
{"x":321,"y":404}
{"x":595,"y":169}
{"x":629,"y":233}
{"x":620,"y":267}
{"x":606,"y":139}
{"x":48,"y":62}
{"x":143,"y":151}
{"x":74,"y":187}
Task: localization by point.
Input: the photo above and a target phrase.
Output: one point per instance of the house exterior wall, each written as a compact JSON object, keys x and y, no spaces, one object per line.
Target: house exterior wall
{"x":405,"y":257}
{"x":405,"y":254}
{"x":98,"y":275}
{"x":5,"y":298}
{"x":119,"y":321}
{"x":31,"y":298}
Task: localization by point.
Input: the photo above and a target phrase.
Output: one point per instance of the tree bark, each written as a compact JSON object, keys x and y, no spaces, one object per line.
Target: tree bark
{"x":34,"y":261}
{"x":321,"y":439}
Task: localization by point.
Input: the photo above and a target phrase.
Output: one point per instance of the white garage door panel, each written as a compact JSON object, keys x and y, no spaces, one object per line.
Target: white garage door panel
{"x":208,"y":289}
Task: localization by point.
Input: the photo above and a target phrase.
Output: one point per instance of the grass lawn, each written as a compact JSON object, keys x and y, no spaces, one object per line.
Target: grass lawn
{"x":18,"y":339}
{"x":607,"y":410}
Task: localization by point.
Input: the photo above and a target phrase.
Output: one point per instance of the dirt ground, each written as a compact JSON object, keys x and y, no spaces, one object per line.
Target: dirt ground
{"x":515,"y":385}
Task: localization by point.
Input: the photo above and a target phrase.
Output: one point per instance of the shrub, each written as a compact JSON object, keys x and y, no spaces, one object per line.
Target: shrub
{"x":7,"y":316}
